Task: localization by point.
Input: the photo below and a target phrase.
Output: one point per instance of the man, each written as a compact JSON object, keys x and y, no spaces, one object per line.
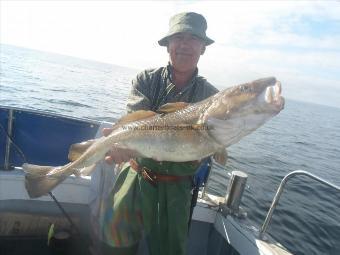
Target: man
{"x":153,"y":197}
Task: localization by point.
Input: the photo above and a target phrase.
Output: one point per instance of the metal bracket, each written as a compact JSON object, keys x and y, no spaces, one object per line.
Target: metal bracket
{"x":225,"y":211}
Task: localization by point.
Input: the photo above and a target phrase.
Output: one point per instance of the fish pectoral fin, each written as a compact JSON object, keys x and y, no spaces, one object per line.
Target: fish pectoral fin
{"x":225,"y":132}
{"x":172,"y":107}
{"x":134,"y":116}
{"x":221,"y":157}
{"x":77,"y":149}
{"x":36,"y":170}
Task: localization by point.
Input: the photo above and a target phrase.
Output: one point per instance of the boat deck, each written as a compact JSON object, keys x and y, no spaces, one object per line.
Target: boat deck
{"x":22,"y":218}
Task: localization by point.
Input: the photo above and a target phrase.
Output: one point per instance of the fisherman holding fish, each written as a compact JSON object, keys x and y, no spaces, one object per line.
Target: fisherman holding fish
{"x":176,"y":118}
{"x":149,"y":196}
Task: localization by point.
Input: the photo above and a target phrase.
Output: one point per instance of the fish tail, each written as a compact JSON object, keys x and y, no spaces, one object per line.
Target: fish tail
{"x":38,"y":181}
{"x":36,"y":170}
{"x":39,"y":186}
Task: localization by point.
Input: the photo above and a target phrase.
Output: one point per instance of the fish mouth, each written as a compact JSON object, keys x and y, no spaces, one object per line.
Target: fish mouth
{"x":272,"y":95}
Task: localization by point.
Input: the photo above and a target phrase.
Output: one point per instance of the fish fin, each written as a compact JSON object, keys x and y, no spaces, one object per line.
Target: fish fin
{"x":137,"y":115}
{"x":77,"y":149}
{"x":36,"y":170}
{"x":85,"y":171}
{"x":225,"y":132}
{"x":37,"y":186}
{"x":172,"y":107}
{"x":221,"y":157}
{"x":39,"y":180}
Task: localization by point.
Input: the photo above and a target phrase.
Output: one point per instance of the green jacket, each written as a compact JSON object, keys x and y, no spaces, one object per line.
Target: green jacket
{"x":136,"y":206}
{"x":145,"y":95}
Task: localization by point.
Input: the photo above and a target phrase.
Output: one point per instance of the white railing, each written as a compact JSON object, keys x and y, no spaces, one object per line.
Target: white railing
{"x":280,"y":190}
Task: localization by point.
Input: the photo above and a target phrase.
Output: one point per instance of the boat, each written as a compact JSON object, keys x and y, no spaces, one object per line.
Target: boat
{"x":63,"y":222}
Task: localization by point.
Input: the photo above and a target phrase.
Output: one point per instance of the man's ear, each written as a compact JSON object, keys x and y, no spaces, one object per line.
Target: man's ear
{"x":203,"y":50}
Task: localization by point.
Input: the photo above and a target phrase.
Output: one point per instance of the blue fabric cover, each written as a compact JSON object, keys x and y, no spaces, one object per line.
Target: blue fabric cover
{"x":43,"y":138}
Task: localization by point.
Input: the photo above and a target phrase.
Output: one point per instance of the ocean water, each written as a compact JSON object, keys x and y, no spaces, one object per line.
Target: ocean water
{"x":303,"y":136}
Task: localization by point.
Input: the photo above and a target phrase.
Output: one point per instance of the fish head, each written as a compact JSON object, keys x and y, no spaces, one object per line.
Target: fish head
{"x":263,"y":95}
{"x":239,"y":110}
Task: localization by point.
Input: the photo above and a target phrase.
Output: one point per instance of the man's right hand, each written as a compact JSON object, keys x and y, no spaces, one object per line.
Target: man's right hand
{"x":117,"y":155}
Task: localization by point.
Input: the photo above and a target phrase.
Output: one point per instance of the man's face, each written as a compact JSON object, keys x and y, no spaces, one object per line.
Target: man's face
{"x":185,"y":50}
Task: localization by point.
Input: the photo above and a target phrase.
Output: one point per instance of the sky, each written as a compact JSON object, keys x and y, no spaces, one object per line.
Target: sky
{"x":298,"y":42}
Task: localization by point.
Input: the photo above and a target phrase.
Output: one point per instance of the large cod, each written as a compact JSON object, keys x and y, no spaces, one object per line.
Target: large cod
{"x":178,"y":132}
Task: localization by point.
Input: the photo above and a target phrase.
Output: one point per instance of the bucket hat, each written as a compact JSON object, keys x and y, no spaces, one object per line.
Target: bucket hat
{"x":189,"y":22}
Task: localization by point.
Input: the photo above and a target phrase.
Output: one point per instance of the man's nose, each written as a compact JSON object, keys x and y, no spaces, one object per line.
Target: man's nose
{"x":185,"y":42}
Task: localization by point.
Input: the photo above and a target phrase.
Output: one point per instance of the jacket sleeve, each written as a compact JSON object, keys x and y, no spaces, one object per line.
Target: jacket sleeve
{"x":205,"y":90}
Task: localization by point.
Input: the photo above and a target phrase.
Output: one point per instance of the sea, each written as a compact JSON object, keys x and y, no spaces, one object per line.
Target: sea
{"x":303,"y":136}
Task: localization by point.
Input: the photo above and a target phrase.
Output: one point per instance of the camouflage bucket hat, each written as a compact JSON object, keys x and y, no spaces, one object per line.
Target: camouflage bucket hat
{"x":189,"y":22}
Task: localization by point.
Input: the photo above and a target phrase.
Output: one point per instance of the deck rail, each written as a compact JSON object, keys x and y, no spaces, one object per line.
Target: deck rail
{"x":8,"y":139}
{"x":280,"y":190}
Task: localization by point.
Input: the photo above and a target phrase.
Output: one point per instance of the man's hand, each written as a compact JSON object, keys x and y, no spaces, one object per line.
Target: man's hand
{"x":117,"y":155}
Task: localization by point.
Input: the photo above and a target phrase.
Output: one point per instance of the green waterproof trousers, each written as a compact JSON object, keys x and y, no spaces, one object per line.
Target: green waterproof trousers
{"x":161,"y":211}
